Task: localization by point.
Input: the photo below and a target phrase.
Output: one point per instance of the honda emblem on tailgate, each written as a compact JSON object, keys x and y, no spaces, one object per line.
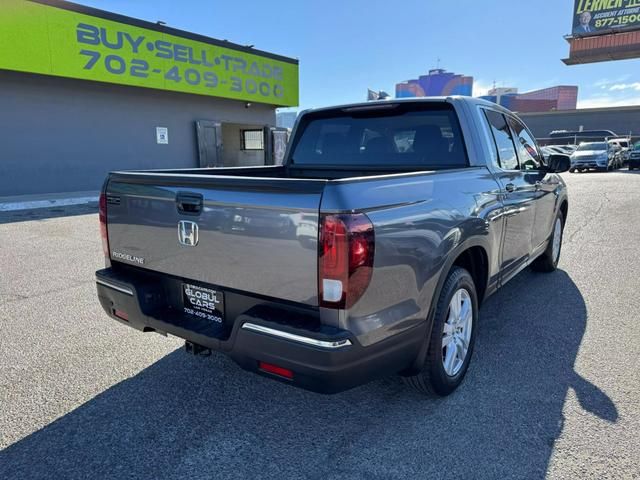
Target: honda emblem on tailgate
{"x":188,"y":233}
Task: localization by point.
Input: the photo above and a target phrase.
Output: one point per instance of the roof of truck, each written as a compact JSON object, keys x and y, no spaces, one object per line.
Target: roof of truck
{"x":373,"y":104}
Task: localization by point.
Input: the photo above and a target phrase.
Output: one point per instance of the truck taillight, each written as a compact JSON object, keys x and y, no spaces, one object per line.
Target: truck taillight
{"x":102,"y":214}
{"x":345,"y":259}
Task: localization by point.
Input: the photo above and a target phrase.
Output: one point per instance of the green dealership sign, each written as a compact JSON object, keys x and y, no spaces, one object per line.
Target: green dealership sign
{"x":52,"y":37}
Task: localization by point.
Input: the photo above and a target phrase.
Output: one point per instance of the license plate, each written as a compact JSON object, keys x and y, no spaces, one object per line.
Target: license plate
{"x":203,"y":302}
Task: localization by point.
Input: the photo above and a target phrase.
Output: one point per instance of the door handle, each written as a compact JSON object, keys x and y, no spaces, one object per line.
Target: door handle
{"x":510,"y":187}
{"x":189,"y":203}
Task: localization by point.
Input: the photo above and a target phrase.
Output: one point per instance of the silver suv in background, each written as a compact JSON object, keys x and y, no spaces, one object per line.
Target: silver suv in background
{"x":594,"y":155}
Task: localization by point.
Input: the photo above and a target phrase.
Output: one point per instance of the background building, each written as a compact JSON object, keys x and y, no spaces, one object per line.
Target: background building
{"x":373,"y":95}
{"x":81,"y":98}
{"x":562,"y":97}
{"x":437,"y":82}
{"x":496,"y":94}
{"x":286,"y":119}
{"x":621,"y":120}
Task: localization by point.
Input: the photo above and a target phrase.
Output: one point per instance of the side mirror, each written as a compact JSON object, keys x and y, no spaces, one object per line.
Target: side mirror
{"x":559,"y":163}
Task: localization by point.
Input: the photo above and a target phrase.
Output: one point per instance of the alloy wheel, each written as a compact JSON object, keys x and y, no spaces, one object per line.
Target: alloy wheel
{"x":557,"y":238}
{"x":456,"y":334}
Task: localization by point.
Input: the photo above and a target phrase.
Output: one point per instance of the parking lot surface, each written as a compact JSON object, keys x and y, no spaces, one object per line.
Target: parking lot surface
{"x":553,"y":389}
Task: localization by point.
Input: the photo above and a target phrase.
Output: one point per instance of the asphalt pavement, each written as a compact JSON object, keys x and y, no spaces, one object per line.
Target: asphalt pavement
{"x":553,"y":390}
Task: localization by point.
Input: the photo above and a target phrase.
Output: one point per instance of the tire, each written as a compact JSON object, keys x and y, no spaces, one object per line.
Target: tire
{"x":571,"y":170}
{"x":548,"y":261}
{"x":434,"y":378}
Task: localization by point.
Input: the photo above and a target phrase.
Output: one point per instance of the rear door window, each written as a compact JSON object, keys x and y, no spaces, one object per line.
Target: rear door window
{"x":503,"y":140}
{"x":425,"y":135}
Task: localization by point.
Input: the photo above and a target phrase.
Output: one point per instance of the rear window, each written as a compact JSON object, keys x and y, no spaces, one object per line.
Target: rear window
{"x":425,"y":135}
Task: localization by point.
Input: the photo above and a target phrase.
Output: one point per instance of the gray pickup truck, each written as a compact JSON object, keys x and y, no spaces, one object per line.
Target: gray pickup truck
{"x":367,"y":253}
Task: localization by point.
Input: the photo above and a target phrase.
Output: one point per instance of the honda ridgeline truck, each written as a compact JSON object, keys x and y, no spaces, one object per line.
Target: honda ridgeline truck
{"x":368,"y":252}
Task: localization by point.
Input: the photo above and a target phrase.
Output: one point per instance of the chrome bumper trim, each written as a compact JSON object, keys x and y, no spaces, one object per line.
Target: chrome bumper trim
{"x":296,"y":338}
{"x":126,"y":290}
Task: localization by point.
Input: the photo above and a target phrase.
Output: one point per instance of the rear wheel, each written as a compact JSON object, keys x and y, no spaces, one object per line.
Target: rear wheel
{"x":548,"y":261}
{"x":452,"y":337}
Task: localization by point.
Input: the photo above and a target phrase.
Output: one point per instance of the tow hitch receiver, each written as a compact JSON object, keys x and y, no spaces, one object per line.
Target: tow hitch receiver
{"x":195,"y":349}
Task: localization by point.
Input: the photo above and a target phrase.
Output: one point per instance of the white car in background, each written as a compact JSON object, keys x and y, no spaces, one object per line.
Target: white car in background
{"x":623,"y":147}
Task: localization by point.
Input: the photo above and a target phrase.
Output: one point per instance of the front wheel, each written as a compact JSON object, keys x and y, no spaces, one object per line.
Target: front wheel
{"x":452,"y":336}
{"x":548,"y":261}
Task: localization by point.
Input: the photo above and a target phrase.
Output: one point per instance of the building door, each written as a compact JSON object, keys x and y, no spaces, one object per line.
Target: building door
{"x":276,"y":145}
{"x":209,"y":143}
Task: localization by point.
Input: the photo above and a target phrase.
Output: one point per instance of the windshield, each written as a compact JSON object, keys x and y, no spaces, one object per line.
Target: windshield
{"x":592,"y":146}
{"x":398,"y":135}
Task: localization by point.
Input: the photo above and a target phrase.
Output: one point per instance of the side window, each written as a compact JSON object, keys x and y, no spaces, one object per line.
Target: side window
{"x":526,"y":145}
{"x":504,"y":141}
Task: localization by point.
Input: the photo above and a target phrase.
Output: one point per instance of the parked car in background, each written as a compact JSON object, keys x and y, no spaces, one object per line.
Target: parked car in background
{"x":547,"y":152}
{"x":557,"y":150}
{"x":567,"y":149}
{"x":634,"y":157}
{"x":623,"y":147}
{"x":594,"y":155}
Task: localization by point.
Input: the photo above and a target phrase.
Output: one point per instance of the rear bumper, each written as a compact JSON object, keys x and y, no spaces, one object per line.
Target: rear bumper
{"x":322,"y":359}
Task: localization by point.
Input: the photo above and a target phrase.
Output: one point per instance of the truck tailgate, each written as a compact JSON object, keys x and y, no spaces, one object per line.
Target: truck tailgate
{"x":256,"y":235}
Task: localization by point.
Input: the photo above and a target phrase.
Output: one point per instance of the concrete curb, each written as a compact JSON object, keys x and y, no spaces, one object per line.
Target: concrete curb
{"x":30,"y":202}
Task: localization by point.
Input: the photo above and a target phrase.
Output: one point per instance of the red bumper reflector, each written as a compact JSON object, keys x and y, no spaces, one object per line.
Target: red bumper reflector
{"x":276,"y":370}
{"x":121,"y":315}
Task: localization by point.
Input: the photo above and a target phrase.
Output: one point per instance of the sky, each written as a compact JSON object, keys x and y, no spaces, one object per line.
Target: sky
{"x":347,"y":46}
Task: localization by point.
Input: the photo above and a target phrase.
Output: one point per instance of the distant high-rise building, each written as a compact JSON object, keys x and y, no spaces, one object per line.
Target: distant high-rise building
{"x":286,"y":119}
{"x":561,"y":97}
{"x":437,"y":82}
{"x":500,"y":92}
{"x":372,"y":95}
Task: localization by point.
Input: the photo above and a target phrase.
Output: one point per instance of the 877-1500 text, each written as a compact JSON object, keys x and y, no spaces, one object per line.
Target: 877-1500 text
{"x":117,"y":65}
{"x":623,"y":20}
{"x":208,"y":316}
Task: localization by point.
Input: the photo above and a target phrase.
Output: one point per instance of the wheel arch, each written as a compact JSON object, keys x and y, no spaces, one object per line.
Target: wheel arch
{"x":473,"y":254}
{"x":564,"y":208}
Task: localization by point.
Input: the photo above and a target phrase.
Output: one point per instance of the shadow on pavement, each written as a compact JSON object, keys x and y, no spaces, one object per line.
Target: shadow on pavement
{"x":48,"y":212}
{"x":186,"y":417}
